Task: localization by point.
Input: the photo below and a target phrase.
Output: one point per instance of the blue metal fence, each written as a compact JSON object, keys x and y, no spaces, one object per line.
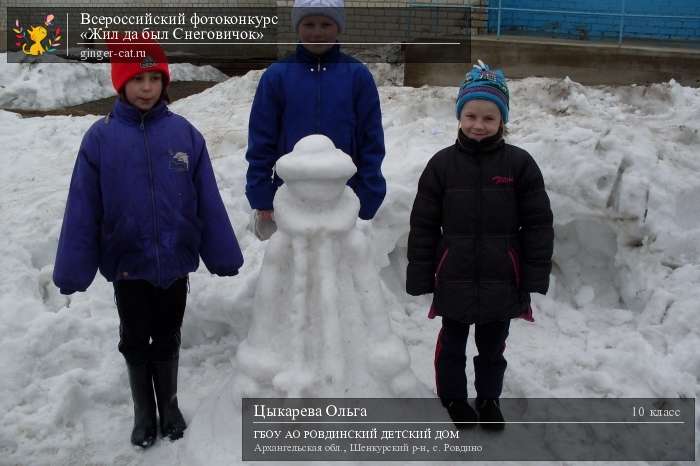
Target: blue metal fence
{"x":608,"y":18}
{"x":628,"y":12}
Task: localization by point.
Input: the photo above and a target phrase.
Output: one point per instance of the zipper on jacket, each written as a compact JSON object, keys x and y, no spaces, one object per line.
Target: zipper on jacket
{"x":318,"y":100}
{"x":153,"y":196}
{"x":477,"y":243}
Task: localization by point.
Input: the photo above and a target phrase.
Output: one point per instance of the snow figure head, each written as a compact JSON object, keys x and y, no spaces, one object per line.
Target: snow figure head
{"x":315,"y":197}
{"x":315,"y":171}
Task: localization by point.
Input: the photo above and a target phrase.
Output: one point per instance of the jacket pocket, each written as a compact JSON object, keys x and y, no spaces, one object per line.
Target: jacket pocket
{"x":515,"y":263}
{"x":181,"y":189}
{"x":440,"y":264}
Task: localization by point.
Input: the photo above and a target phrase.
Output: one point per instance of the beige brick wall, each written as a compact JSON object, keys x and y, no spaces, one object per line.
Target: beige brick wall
{"x":115,"y":6}
{"x":372,"y":25}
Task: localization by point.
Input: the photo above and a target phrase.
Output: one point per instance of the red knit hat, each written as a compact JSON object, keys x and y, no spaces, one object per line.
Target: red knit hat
{"x":132,"y":63}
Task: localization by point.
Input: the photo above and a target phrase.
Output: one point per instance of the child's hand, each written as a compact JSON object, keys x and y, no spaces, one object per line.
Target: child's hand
{"x":267,"y":215}
{"x":264,"y":225}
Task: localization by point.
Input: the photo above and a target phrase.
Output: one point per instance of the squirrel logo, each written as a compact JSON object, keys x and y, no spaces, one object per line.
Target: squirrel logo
{"x":31,"y":40}
{"x":36,"y":34}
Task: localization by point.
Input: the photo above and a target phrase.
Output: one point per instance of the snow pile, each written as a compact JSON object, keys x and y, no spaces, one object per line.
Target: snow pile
{"x":46,"y":86}
{"x":64,"y":83}
{"x":620,"y":320}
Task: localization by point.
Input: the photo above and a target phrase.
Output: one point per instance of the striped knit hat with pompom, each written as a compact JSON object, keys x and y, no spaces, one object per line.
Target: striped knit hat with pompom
{"x":484,"y":84}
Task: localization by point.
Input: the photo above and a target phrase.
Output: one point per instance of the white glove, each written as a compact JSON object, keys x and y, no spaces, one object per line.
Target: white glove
{"x":264,"y":224}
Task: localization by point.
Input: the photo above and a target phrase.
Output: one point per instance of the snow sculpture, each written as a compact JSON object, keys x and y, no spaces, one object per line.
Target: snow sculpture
{"x":320,"y":325}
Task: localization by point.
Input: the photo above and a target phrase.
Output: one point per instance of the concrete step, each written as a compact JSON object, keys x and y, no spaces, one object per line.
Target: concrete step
{"x":591,"y":63}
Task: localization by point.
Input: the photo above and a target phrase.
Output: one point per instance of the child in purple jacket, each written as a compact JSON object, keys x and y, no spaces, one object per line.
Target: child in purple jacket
{"x":143,"y":206}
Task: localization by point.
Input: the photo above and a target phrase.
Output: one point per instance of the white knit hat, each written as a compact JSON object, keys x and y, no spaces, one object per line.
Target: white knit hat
{"x":333,"y":9}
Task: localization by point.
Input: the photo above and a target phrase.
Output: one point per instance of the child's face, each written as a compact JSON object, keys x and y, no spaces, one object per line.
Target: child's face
{"x":143,"y":90}
{"x":318,"y":33}
{"x":480,"y":119}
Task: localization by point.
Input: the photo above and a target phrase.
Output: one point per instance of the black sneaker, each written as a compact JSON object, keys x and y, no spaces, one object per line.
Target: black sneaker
{"x":462,"y":414}
{"x":490,"y":417}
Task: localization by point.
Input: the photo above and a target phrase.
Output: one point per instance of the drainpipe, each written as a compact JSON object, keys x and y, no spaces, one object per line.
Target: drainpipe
{"x":622,"y":23}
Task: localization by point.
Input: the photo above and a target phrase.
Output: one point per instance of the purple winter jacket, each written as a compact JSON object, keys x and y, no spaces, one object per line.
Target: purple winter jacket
{"x":143,"y":204}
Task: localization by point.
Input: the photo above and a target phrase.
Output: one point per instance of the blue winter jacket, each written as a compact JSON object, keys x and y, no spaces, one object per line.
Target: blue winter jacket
{"x":143,"y":204}
{"x":333,"y":95}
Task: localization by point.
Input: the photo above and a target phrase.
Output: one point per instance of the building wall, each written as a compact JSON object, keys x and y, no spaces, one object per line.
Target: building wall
{"x":110,"y":6}
{"x":373,"y":25}
{"x":482,"y":21}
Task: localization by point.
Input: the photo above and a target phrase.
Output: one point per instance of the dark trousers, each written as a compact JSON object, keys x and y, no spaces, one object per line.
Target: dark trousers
{"x":451,"y":360}
{"x":149,"y":319}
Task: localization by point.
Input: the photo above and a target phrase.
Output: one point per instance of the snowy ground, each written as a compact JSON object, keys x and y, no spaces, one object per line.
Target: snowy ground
{"x":620,"y":320}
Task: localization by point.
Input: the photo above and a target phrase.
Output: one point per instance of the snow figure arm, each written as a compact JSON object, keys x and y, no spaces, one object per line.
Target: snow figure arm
{"x":368,"y":183}
{"x":536,"y":231}
{"x":78,"y":254}
{"x":425,"y":233}
{"x":219,"y":247}
{"x":263,"y":135}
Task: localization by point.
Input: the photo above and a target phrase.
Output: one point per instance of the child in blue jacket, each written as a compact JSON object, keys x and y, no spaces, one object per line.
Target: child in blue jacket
{"x":143,"y":206}
{"x":317,"y":90}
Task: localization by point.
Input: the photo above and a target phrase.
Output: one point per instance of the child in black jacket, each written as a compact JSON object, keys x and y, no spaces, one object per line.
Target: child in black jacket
{"x":481,"y":241}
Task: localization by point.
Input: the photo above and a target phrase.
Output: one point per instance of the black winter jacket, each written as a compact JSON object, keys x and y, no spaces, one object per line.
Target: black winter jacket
{"x":481,"y":235}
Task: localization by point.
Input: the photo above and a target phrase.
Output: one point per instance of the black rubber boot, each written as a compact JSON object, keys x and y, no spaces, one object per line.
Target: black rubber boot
{"x":144,"y":432}
{"x":490,"y":417}
{"x":462,"y":414}
{"x":172,"y":424}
